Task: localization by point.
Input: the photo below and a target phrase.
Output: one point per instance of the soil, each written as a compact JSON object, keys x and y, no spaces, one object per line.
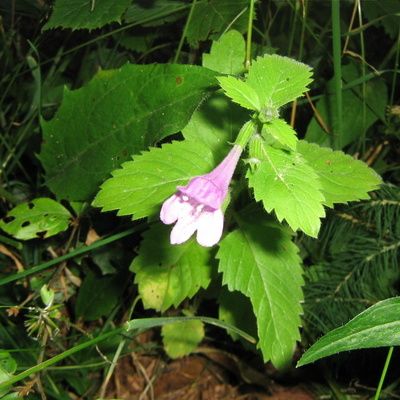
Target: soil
{"x":206,"y":375}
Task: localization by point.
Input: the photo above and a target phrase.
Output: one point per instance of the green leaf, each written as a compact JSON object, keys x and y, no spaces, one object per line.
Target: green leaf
{"x":354,"y":123}
{"x":181,"y":338}
{"x":216,"y":124}
{"x":212,"y":17}
{"x":119,"y":113}
{"x":98,"y":295}
{"x":172,"y":273}
{"x":385,"y":13}
{"x":47,"y":295}
{"x":86,"y":14}
{"x":342,"y":177}
{"x":227,"y":54}
{"x":7,"y":363}
{"x":378,"y":326}
{"x":282,"y":132}
{"x":240,"y":92}
{"x":42,"y":217}
{"x":278,"y":80}
{"x":137,"y":189}
{"x":284,"y":182}
{"x":155,"y":13}
{"x":260,"y":260}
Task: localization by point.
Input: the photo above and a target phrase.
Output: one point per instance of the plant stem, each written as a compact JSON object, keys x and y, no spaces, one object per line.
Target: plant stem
{"x":337,"y":66}
{"x":182,"y":40}
{"x":43,"y":365}
{"x":395,"y":70}
{"x":249,"y":34}
{"x":245,"y":133}
{"x":383,"y":374}
{"x":72,"y":254}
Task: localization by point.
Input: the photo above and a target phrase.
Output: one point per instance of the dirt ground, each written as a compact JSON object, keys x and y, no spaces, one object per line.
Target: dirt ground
{"x":209,"y":374}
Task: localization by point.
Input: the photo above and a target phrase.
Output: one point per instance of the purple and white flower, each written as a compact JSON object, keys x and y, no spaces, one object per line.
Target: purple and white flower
{"x":197,"y":206}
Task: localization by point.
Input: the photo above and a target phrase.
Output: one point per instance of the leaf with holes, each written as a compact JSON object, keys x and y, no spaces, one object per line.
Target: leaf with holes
{"x":227,"y":54}
{"x":172,"y":273}
{"x":42,"y":217}
{"x":378,"y":326}
{"x":86,"y":14}
{"x":342,"y":177}
{"x":285,"y":183}
{"x":141,"y":185}
{"x":260,"y":260}
{"x":119,"y":113}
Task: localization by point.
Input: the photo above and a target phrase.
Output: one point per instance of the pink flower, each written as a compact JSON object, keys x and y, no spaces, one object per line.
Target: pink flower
{"x":197,"y":206}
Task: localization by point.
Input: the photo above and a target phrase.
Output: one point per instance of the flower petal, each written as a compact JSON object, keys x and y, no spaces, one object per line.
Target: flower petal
{"x":184,"y":228}
{"x":171,"y":209}
{"x":209,"y":227}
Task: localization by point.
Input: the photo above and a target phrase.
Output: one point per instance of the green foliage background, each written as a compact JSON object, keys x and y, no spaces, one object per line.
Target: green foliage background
{"x":87,"y":85}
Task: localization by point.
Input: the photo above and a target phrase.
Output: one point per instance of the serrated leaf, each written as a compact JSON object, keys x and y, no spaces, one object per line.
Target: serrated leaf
{"x":260,"y":260}
{"x":141,"y":185}
{"x":98,"y":295}
{"x":378,"y":326}
{"x":181,"y":338}
{"x":282,"y":132}
{"x":42,"y":217}
{"x":212,"y":17}
{"x":227,"y":54}
{"x":285,"y":183}
{"x":278,"y":80}
{"x":342,"y":177}
{"x":119,"y":113}
{"x":216,"y":123}
{"x":354,"y":122}
{"x":240,"y":92}
{"x":86,"y":14}
{"x":170,"y":274}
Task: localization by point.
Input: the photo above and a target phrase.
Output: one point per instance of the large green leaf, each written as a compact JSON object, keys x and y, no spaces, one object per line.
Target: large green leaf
{"x":141,"y":185}
{"x":87,"y":14}
{"x":278,"y":80}
{"x":342,"y":177}
{"x":377,"y":326}
{"x":119,"y":113}
{"x":354,"y":122}
{"x":284,"y":182}
{"x":165,"y":274}
{"x":216,"y":123}
{"x":212,"y":17}
{"x":227,"y":54}
{"x":42,"y":217}
{"x":261,"y":261}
